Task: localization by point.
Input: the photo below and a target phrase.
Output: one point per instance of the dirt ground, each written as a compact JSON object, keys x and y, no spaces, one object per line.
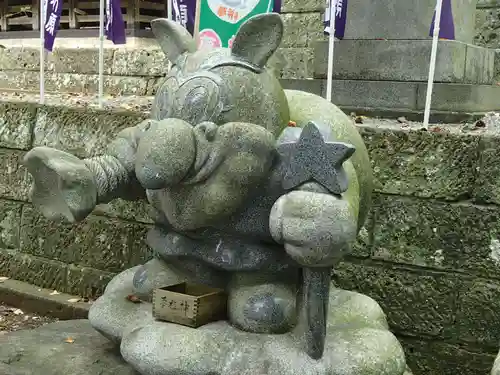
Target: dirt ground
{"x":13,"y":319}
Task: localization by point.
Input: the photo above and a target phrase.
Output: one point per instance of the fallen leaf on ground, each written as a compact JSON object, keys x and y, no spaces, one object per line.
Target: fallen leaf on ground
{"x":3,"y":278}
{"x":74,"y":300}
{"x":133,"y":298}
{"x":359,"y":119}
{"x":69,"y":340}
{"x":18,"y":312}
{"x":54,"y":293}
{"x":436,"y":129}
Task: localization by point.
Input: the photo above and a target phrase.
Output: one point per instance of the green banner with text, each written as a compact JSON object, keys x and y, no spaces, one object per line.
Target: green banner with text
{"x":221,"y":19}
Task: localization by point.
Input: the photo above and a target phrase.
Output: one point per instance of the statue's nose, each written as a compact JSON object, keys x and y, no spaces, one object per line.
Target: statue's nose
{"x":165,"y":154}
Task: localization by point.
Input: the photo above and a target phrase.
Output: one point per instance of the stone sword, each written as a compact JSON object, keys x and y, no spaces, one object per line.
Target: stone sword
{"x":314,"y":158}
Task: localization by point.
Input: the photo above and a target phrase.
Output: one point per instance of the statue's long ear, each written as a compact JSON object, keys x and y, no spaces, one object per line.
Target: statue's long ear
{"x":173,"y":39}
{"x":258,"y":38}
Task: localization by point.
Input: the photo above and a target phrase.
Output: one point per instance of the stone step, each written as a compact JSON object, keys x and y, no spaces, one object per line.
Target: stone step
{"x":409,"y":96}
{"x":119,"y":104}
{"x":145,"y":62}
{"x":406,"y":60}
{"x":86,"y":84}
{"x":33,"y":299}
{"x":127,"y":71}
{"x":139,"y":103}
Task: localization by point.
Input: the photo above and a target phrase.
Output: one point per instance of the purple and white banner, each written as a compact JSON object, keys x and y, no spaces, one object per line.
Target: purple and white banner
{"x":52,"y":10}
{"x":277,"y":6}
{"x":183,"y":12}
{"x":446,"y":26}
{"x":340,"y":11}
{"x":114,"y":24}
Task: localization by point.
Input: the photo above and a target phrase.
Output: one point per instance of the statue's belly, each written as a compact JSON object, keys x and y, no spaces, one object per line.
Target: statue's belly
{"x":248,"y":223}
{"x":241,"y":242}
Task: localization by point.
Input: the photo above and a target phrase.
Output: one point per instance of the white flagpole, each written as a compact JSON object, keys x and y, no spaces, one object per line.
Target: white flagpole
{"x":169,"y":16}
{"x":331,"y":46}
{"x":101,"y":53}
{"x":197,"y":17}
{"x":432,"y":65}
{"x":42,"y":50}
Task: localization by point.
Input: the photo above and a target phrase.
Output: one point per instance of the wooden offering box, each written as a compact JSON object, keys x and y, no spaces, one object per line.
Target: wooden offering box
{"x":191,"y":305}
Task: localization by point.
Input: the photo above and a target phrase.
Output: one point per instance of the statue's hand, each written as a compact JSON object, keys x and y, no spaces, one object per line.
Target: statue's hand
{"x":317,"y":229}
{"x":63,"y":186}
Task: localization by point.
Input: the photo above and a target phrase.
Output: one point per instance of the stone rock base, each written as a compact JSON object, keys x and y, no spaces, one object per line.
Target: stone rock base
{"x":73,"y":347}
{"x":358,"y":340}
{"x":69,"y":347}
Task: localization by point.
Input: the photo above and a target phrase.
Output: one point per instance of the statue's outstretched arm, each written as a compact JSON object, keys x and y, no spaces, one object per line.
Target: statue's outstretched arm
{"x":68,"y":188}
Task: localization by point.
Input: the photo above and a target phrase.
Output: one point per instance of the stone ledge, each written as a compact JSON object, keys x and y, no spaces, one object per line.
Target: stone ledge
{"x":404,"y":96}
{"x":405,"y":60}
{"x":447,"y":97}
{"x":38,"y":300}
{"x":396,"y":95}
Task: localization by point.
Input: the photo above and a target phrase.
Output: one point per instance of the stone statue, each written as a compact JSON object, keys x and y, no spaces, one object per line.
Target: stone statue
{"x":253,"y":189}
{"x":496,"y":366}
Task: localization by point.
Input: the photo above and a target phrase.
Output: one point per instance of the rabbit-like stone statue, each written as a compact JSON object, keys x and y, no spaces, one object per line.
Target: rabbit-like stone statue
{"x":241,"y":201}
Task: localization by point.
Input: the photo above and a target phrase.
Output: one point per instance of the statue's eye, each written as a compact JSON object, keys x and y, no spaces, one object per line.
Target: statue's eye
{"x":196,"y":104}
{"x":197,"y":100}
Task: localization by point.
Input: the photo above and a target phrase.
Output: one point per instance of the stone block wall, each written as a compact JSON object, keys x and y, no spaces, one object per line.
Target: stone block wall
{"x":429,"y":253}
{"x":431,"y":247}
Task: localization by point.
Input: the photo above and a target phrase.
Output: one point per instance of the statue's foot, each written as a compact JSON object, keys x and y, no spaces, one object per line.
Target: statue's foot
{"x":157,"y":273}
{"x":116,"y":305}
{"x":262,"y":307}
{"x":357,"y":342}
{"x":109,"y":312}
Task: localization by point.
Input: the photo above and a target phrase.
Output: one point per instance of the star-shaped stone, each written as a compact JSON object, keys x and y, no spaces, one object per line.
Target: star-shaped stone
{"x":311,"y":158}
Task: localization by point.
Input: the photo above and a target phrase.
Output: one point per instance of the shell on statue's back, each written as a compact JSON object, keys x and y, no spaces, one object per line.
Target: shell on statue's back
{"x":306,"y":107}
